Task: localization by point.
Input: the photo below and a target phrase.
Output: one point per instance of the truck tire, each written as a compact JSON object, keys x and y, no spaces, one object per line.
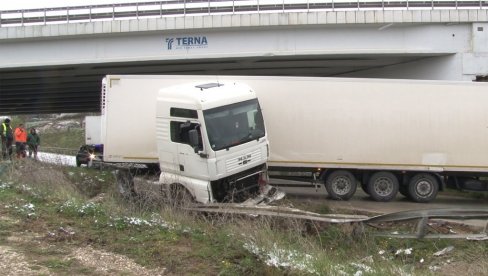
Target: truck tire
{"x":78,"y":162}
{"x":341,"y":185}
{"x":423,"y":187}
{"x":383,"y":186}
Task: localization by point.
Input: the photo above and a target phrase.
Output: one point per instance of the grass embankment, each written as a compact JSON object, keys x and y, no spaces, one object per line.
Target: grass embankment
{"x":67,"y":139}
{"x":57,"y":217}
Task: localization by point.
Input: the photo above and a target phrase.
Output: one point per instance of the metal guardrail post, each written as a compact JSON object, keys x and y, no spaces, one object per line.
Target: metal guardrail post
{"x":22,"y":18}
{"x":90,"y":14}
{"x":45,"y":13}
{"x":137,"y":10}
{"x":113,"y":11}
{"x":161,"y":9}
{"x":67,"y":14}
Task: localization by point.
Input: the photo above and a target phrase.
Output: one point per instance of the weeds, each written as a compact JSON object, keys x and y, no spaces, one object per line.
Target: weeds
{"x":78,"y":207}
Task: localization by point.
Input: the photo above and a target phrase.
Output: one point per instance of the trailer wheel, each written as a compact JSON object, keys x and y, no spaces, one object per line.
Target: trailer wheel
{"x":383,"y":186}
{"x":341,"y":185}
{"x":423,"y":187}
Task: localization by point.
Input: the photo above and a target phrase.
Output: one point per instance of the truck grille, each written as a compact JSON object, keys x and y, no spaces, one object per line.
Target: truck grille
{"x":238,"y":187}
{"x":244,"y":160}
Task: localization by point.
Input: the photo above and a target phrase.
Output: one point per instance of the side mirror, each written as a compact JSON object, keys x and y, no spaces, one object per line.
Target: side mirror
{"x":193,"y":135}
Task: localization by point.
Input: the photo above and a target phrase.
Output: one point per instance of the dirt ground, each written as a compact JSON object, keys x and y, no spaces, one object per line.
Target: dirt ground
{"x":29,"y":253}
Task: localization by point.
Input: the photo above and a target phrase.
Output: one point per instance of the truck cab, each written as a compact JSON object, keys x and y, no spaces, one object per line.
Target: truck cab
{"x":211,"y":140}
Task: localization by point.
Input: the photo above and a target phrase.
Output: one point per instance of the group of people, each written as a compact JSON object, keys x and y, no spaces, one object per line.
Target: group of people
{"x":21,"y":138}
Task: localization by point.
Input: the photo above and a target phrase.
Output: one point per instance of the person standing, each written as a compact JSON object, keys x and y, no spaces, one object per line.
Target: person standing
{"x":33,"y":141}
{"x":20,"y":140}
{"x":7,"y":139}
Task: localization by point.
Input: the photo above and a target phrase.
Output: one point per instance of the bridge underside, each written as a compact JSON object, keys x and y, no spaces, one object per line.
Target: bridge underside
{"x":76,"y":88}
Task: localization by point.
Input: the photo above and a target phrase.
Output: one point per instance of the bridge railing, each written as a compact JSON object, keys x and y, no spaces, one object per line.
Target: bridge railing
{"x":178,"y":8}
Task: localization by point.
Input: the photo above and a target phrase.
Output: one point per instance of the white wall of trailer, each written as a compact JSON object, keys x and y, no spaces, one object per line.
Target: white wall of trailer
{"x":93,"y":128}
{"x":377,"y":124}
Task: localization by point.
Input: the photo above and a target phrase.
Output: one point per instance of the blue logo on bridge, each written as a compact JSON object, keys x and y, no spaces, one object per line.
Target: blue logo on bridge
{"x":186,"y":42}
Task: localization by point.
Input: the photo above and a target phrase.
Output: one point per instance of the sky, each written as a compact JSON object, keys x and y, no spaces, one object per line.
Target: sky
{"x":35,"y":4}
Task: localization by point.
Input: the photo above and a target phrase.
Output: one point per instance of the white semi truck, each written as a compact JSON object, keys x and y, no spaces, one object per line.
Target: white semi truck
{"x":386,"y":136}
{"x":206,"y":136}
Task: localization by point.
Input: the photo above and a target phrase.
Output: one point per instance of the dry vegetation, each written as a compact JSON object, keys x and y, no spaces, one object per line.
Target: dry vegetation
{"x":60,"y":220}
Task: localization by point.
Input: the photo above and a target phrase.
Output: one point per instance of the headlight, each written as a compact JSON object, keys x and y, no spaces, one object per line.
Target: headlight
{"x":92,"y":156}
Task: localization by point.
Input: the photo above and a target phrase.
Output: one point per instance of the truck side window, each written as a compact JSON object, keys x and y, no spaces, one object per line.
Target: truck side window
{"x":179,"y":132}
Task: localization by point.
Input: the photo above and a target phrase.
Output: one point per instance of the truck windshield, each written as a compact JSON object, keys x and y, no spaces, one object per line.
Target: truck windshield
{"x":234,"y":124}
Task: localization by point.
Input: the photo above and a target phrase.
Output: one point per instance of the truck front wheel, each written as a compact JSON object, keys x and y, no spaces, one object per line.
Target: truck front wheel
{"x":423,"y":187}
{"x":341,"y":185}
{"x":383,"y":186}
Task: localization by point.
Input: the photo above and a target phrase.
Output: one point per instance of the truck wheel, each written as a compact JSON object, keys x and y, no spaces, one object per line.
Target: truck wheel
{"x":383,"y":186}
{"x":125,"y":183}
{"x":341,"y":185}
{"x":423,"y":187}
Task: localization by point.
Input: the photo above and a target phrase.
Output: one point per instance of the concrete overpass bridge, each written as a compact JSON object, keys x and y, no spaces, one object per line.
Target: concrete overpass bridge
{"x":53,"y":60}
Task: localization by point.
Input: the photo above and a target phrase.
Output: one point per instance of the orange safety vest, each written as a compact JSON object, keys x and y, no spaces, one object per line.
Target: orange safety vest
{"x":20,"y":135}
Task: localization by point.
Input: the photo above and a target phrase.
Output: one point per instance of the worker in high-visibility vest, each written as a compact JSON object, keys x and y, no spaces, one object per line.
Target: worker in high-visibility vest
{"x":20,"y":140}
{"x":7,"y":139}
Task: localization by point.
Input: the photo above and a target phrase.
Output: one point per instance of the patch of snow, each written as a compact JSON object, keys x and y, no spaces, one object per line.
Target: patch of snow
{"x":57,"y":159}
{"x":364,"y":267}
{"x":444,"y":251}
{"x":434,"y":268}
{"x":279,"y":257}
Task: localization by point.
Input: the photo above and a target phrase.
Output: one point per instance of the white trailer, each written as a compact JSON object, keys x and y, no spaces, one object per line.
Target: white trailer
{"x":207,"y":136}
{"x":93,"y":135}
{"x":386,"y":135}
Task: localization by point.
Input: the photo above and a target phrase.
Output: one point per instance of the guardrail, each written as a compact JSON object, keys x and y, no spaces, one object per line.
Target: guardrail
{"x":179,"y":8}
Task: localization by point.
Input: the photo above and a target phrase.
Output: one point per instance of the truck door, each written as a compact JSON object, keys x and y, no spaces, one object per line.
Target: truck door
{"x":190,"y":163}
